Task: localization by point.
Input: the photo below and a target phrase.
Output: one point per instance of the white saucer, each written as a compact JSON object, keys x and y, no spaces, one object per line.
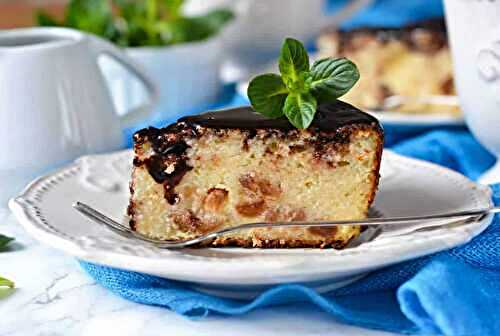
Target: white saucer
{"x":408,"y":187}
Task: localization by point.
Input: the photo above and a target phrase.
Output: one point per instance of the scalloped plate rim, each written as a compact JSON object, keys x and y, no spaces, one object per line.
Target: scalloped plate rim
{"x":281,"y":264}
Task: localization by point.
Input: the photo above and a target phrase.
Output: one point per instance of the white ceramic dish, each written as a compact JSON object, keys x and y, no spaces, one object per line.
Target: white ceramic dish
{"x":186,"y":75}
{"x":398,"y":118}
{"x":408,"y":187}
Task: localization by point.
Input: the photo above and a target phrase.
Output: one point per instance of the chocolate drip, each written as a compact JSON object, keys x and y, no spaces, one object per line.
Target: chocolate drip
{"x":169,"y":150}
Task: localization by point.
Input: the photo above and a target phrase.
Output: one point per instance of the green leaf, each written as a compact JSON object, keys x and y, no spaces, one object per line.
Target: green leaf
{"x":6,"y":287}
{"x":130,"y":8}
{"x":6,"y":283}
{"x":4,"y":241}
{"x":267,"y":94}
{"x":198,"y":28}
{"x":168,"y":26}
{"x":300,"y":109}
{"x":131,"y":24}
{"x":44,"y":19}
{"x":173,"y":7}
{"x":92,"y":16}
{"x":216,"y":19}
{"x":139,"y":23}
{"x":293,"y":61}
{"x":332,"y":78}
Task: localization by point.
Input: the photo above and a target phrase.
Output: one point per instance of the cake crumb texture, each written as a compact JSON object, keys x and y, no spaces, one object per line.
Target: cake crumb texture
{"x":413,"y":61}
{"x":232,"y":176}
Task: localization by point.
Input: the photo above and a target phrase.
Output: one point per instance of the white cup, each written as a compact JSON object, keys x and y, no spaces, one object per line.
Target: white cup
{"x":260,"y":26}
{"x":474,"y":30}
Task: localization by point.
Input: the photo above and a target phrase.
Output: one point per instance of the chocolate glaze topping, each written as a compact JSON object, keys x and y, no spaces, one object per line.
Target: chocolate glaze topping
{"x":329,"y":117}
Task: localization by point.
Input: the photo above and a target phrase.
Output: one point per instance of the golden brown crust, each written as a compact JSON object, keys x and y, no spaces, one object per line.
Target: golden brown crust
{"x":378,"y":161}
{"x":257,"y":243}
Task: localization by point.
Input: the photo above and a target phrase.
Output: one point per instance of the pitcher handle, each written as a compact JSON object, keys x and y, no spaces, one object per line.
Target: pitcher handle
{"x":344,"y":13}
{"x":140,"y":113}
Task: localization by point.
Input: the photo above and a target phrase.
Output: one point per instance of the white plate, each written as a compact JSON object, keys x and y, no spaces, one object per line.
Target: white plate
{"x":407,"y":187}
{"x":398,"y":118}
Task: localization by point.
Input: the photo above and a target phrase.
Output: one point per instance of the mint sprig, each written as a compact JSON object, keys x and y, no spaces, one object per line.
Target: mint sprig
{"x":299,"y":89}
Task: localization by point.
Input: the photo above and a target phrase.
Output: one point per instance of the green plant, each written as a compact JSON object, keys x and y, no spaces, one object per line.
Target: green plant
{"x":6,"y":285}
{"x":300,"y":88}
{"x":4,"y":241}
{"x":132,"y":23}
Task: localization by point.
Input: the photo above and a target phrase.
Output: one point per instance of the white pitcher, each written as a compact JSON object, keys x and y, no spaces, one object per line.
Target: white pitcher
{"x":54,"y":103}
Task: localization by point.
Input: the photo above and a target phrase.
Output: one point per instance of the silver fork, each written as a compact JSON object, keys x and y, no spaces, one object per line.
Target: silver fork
{"x":121,"y":229}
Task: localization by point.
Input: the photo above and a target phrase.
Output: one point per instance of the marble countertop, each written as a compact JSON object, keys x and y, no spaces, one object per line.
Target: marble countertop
{"x":55,"y":297}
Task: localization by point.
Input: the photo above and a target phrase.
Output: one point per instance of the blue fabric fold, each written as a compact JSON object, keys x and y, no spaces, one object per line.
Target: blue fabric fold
{"x":389,"y":13}
{"x":456,"y":292}
{"x":470,"y":294}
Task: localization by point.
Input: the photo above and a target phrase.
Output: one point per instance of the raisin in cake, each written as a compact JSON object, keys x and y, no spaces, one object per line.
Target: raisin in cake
{"x":225,"y":168}
{"x":412,"y":61}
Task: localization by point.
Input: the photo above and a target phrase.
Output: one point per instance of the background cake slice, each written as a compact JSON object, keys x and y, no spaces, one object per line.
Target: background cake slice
{"x":224,"y":168}
{"x":412,"y":61}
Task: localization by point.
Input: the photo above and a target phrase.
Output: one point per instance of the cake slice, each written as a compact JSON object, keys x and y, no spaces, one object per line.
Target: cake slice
{"x":225,"y":168}
{"x":412,"y":61}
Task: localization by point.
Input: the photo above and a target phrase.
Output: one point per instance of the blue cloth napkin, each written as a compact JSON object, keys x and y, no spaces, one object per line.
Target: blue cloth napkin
{"x":456,"y":292}
{"x":390,"y":13}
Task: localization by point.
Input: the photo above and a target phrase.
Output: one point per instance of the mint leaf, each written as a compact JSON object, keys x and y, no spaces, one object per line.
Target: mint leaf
{"x":4,"y":241}
{"x":6,"y":283}
{"x":332,"y":78}
{"x":190,"y":29}
{"x":267,"y":94}
{"x":44,"y":19}
{"x":293,"y":61}
{"x":173,"y":7}
{"x":93,"y":16}
{"x":300,"y":109}
{"x":214,"y":20}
